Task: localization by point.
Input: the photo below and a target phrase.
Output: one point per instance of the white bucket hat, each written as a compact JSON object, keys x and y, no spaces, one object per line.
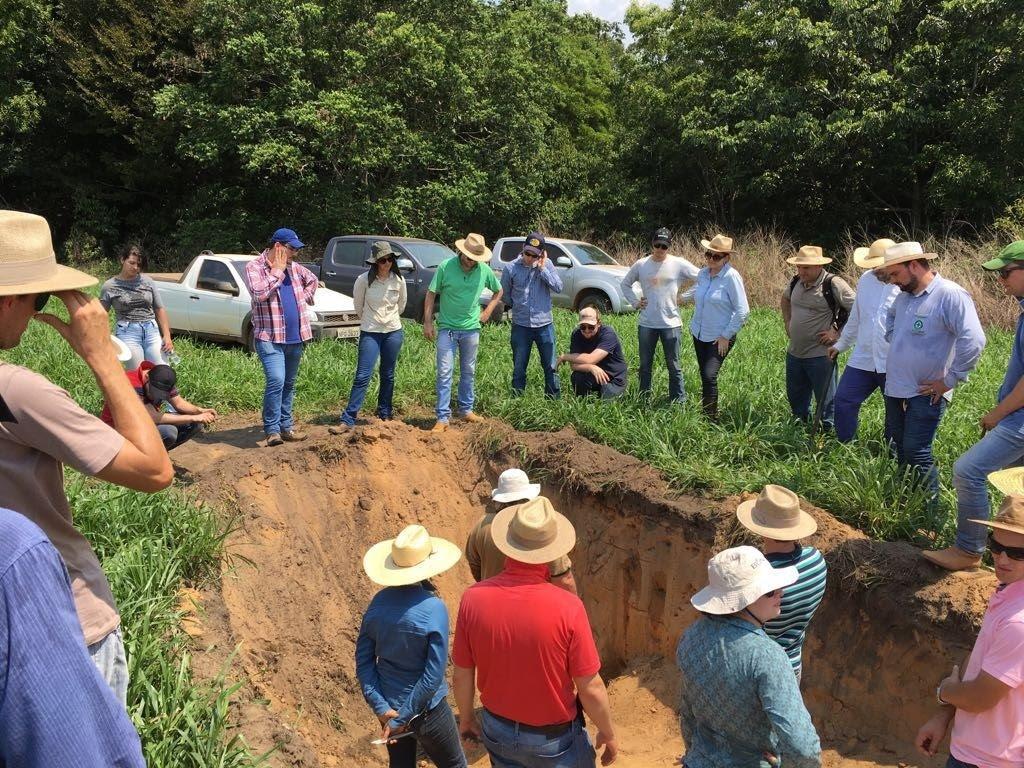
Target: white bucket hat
{"x":28,"y":264}
{"x":514,"y":485}
{"x":410,"y":557}
{"x":737,"y":577}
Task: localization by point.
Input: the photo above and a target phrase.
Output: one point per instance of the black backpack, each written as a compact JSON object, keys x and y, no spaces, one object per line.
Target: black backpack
{"x":839,"y":313}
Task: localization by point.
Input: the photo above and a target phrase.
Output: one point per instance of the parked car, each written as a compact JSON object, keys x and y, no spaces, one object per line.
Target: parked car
{"x":211,"y":299}
{"x":345,"y":257}
{"x":590,"y":277}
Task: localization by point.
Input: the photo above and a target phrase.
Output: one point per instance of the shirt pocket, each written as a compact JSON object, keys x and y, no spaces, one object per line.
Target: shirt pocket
{"x":919,"y":323}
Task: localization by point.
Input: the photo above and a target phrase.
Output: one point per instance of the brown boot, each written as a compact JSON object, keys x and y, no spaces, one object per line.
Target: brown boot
{"x":952,"y":559}
{"x":440,"y":426}
{"x":292,"y":435}
{"x":472,"y":418}
{"x":340,"y":429}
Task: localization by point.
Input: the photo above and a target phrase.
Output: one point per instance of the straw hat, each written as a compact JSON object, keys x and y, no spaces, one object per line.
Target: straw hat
{"x":737,"y":577}
{"x":27,"y":262}
{"x":1010,"y":516}
{"x":809,"y":256}
{"x":473,"y":246}
{"x":872,"y":257}
{"x":533,"y":532}
{"x":1008,"y":481}
{"x":776,"y":514}
{"x":408,"y":558}
{"x":514,"y":485}
{"x":718,"y":244}
{"x":901,"y":252}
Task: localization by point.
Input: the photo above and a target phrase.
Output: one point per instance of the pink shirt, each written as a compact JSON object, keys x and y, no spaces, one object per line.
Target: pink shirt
{"x":995,"y":738}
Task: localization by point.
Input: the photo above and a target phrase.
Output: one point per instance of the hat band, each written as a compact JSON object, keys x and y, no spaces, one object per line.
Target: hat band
{"x":17,"y":272}
{"x":775,"y":518}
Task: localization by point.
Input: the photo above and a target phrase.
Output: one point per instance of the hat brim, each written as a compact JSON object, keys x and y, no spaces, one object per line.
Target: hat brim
{"x":721,"y":602}
{"x":862,"y":260}
{"x":372,"y":262}
{"x":1008,"y":481}
{"x":808,"y":261}
{"x":1011,"y":527}
{"x":912,"y":257}
{"x":562,"y":544}
{"x":64,"y":279}
{"x":706,"y":245}
{"x":998,"y":263}
{"x":806,"y":526}
{"x":460,"y":246}
{"x":381,"y":568}
{"x":531,"y":491}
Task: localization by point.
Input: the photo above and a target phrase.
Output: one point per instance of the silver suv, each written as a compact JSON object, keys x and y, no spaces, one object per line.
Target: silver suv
{"x":590,"y":277}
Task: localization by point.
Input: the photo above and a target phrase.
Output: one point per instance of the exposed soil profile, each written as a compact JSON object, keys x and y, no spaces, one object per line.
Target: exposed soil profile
{"x":293,"y":592}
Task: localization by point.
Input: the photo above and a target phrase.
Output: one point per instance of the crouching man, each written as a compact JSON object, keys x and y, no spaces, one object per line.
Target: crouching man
{"x":595,"y":355}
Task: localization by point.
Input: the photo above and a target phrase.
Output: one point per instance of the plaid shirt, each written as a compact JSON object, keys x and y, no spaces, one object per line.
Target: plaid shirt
{"x":267,"y":314}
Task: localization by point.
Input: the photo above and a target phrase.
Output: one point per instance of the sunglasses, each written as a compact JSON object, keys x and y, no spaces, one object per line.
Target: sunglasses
{"x":773,"y":593}
{"x":41,"y":300}
{"x":1014,"y":553}
{"x":385,"y":258}
{"x":587,"y":327}
{"x":713,"y":256}
{"x":660,"y":246}
{"x":1005,"y":271}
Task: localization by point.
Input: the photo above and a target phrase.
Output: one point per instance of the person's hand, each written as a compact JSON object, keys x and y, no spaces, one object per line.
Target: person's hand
{"x":611,"y":748}
{"x":828,"y":337}
{"x":832,"y":353}
{"x":559,"y":361}
{"x":989,"y":421}
{"x":88,"y":329}
{"x":211,"y":411}
{"x":542,"y":260}
{"x":932,"y":734}
{"x":279,"y":257}
{"x":954,"y":676}
{"x":599,"y":374}
{"x":485,"y":315}
{"x":723,"y":345}
{"x":321,"y":284}
{"x":387,"y":717}
{"x":469,"y":729}
{"x":428,"y":330}
{"x":168,"y":345}
{"x":204,"y":418}
{"x":643,"y":303}
{"x":770,"y":758}
{"x":935,"y":389}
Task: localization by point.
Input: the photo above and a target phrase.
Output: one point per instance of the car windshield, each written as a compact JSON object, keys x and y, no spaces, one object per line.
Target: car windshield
{"x":429,"y":254}
{"x":587,"y":254}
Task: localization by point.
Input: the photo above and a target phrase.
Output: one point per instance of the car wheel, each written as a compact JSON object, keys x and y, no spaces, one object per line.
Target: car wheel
{"x":595,"y":299}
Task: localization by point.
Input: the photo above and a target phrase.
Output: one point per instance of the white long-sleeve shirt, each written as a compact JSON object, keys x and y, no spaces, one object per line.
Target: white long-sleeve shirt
{"x":865,"y":328}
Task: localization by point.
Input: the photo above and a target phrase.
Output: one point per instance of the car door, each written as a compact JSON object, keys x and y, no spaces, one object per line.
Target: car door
{"x":344,"y":261}
{"x":564,"y":297}
{"x":417,"y":280}
{"x":214,"y":306}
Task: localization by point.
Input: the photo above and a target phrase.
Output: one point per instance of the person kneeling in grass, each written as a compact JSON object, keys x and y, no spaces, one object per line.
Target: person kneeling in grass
{"x":776,"y":517}
{"x":595,"y":355}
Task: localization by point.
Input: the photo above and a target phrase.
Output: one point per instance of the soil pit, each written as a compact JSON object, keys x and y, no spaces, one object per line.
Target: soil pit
{"x":293,"y":591}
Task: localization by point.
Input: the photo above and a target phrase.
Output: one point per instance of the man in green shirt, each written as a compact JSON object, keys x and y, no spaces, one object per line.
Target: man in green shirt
{"x":459,"y":282}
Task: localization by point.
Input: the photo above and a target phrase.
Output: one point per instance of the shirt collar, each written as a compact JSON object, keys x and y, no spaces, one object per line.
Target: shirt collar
{"x":1014,"y":590}
{"x":817,"y":281}
{"x":932,"y":284}
{"x":526,"y":572}
{"x":1021,"y":302}
{"x":739,"y":623}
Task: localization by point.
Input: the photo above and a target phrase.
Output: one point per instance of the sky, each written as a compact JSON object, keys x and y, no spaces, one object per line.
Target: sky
{"x":609,"y":10}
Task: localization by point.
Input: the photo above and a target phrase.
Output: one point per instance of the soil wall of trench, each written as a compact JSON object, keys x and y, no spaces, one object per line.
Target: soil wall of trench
{"x":292,"y":595}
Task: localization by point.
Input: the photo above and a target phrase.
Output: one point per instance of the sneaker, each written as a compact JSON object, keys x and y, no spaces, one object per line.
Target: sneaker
{"x":952,"y":559}
{"x":440,"y":426}
{"x":339,"y":429}
{"x":274,"y":439}
{"x":472,"y":418}
{"x":292,"y":435}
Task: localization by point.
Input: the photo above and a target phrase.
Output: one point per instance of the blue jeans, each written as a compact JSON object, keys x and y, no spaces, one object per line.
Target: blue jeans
{"x":522,"y":339}
{"x":954,"y":763}
{"x":855,"y":386}
{"x":1002,"y":447}
{"x":509,"y":746}
{"x":280,"y":367}
{"x":437,"y":734}
{"x":111,"y":660}
{"x":371,"y":346}
{"x":467,"y":342}
{"x":912,"y":422}
{"x":584,"y":384}
{"x":669,"y":337}
{"x":143,"y":339}
{"x":174,"y":435}
{"x":807,"y":376}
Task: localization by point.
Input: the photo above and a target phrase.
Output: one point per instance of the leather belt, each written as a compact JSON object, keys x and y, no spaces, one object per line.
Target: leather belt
{"x":558,"y":729}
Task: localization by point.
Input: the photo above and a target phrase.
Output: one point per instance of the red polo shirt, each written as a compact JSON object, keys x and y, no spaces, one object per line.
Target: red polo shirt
{"x":527,"y":639}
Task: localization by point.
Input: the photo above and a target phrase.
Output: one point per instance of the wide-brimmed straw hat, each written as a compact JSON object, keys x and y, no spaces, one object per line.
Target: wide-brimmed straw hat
{"x":533,"y":532}
{"x":1010,"y":516}
{"x":776,"y":514}
{"x":908,"y":251}
{"x":1008,"y":481}
{"x":718,"y":244}
{"x":809,"y":256}
{"x":737,"y":577}
{"x":27,"y":262}
{"x":474,"y":246}
{"x":514,"y":485}
{"x":873,"y":256}
{"x":412,"y":556}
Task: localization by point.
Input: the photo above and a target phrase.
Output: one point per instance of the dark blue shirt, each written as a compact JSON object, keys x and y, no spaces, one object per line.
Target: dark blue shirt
{"x":290,"y":310}
{"x":56,"y":711}
{"x":1014,"y":371}
{"x":402,"y":652}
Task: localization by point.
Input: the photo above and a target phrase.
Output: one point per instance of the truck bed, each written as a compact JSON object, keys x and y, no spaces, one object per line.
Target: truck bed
{"x":166,"y":277}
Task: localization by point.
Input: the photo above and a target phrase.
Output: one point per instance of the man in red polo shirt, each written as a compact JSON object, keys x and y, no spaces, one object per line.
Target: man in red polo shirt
{"x":528,"y":645}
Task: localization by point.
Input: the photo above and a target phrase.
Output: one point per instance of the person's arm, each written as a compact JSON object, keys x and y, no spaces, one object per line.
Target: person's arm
{"x":1012,"y":402}
{"x":962,"y":319}
{"x":890,"y":322}
{"x":594,"y":698}
{"x":428,"y":315}
{"x":689,"y":273}
{"x":433,"y":670}
{"x":506,"y":284}
{"x":359,"y":294}
{"x":165,"y":329}
{"x":263,"y":282}
{"x":464,"y":684}
{"x":777,"y":688}
{"x":843,"y":293}
{"x":627,"y":284}
{"x":491,"y":281}
{"x":740,"y":306}
{"x":181,"y":405}
{"x":473,"y":555}
{"x":848,"y":338}
{"x":786,"y":308}
{"x":366,"y":672}
{"x":176,"y":419}
{"x":1001,"y":670}
{"x":403,"y":295}
{"x":550,"y":275}
{"x":309,"y":282}
{"x":584,"y":359}
{"x":142,"y":463}
{"x":931,"y":735}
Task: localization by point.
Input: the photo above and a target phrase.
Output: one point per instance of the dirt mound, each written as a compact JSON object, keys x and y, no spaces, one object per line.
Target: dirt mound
{"x":293,"y":594}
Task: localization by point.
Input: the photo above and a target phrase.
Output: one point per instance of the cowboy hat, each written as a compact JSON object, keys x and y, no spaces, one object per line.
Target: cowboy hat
{"x":533,"y":532}
{"x":718,"y":244}
{"x":909,"y":251}
{"x":737,"y":577}
{"x":1008,"y":481}
{"x":514,"y":485}
{"x":776,"y":514}
{"x":474,"y":247}
{"x":410,"y":557}
{"x":809,"y":256}
{"x":1010,"y":516}
{"x":28,"y":264}
{"x":872,"y":257}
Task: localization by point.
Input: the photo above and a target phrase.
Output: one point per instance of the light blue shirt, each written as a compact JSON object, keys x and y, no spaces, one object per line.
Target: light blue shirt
{"x":527,"y":290}
{"x":866,"y":327}
{"x":721,"y":304}
{"x":935,"y":334}
{"x":1014,"y":372}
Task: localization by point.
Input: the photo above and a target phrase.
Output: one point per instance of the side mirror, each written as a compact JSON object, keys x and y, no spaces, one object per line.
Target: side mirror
{"x":563,"y":261}
{"x":405,"y":264}
{"x":220,"y":286}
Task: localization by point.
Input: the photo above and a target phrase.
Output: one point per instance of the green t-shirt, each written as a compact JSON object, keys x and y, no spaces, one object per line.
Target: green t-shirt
{"x":460,"y":293}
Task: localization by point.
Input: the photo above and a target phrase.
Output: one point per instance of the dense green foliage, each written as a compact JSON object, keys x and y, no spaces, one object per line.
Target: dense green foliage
{"x":207,"y":123}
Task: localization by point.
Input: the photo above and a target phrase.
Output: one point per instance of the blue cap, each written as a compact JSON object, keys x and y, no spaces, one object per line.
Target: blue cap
{"x":288,"y":237}
{"x":534,"y":244}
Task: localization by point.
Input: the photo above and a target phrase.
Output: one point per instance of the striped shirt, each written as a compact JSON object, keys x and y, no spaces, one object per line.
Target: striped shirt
{"x":799,"y":601}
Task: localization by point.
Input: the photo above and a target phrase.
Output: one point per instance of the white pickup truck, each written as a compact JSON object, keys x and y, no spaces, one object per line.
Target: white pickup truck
{"x":211,"y":298}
